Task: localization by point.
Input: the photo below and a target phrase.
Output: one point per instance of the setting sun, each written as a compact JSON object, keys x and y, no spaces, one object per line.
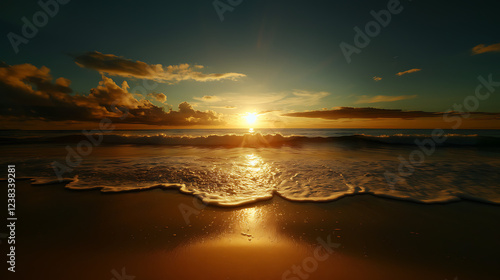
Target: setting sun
{"x":251,"y":118}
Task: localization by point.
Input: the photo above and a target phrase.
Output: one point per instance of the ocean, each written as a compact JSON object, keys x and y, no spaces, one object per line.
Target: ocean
{"x":232,"y":167}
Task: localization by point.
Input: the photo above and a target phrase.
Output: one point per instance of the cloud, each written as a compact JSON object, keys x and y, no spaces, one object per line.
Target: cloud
{"x":208,"y":98}
{"x":29,"y":94}
{"x":482,"y":48}
{"x":408,"y":71}
{"x":267,"y":111}
{"x":259,"y":99}
{"x":266,"y":101}
{"x":160,"y":97}
{"x":382,"y":98}
{"x":376,"y":79}
{"x":304,"y":98}
{"x":373,"y":113}
{"x":120,"y":66}
{"x":224,"y":107}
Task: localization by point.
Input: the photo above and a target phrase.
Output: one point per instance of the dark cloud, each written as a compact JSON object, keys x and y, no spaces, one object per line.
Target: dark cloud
{"x":120,"y":66}
{"x":373,"y":113}
{"x":28,"y":93}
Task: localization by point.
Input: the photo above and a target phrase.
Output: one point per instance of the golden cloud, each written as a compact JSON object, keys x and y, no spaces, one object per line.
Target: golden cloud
{"x":408,"y":71}
{"x":29,"y":94}
{"x":482,"y":48}
{"x":120,"y":66}
{"x":383,"y":98}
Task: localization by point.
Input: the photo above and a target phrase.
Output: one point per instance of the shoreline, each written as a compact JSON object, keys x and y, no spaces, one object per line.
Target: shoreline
{"x":176,"y":187}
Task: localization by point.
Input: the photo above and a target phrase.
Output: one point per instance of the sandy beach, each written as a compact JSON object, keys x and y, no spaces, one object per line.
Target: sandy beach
{"x":65,"y":234}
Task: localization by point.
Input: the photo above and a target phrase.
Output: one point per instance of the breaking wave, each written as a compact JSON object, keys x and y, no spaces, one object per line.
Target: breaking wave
{"x":266,"y":140}
{"x":247,"y":178}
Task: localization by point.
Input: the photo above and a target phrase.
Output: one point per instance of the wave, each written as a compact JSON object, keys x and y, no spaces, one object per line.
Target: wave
{"x":240,"y":176}
{"x":443,"y":198}
{"x":267,"y":140}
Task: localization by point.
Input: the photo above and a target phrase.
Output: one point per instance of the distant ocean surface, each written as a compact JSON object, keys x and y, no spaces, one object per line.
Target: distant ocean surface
{"x":230,"y":167}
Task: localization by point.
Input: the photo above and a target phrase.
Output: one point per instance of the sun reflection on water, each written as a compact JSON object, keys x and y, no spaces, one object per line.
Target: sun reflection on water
{"x":253,"y":160}
{"x":250,"y":215}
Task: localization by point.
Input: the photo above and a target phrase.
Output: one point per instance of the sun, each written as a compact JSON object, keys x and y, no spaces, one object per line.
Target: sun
{"x":251,"y":118}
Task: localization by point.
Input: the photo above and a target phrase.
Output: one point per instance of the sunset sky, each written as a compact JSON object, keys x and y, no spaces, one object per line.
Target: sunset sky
{"x":177,"y":64}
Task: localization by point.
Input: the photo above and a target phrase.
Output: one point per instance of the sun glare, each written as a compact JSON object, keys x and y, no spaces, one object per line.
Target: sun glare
{"x":251,"y":118}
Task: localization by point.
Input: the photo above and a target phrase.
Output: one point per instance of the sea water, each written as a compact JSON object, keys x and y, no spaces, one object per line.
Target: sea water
{"x":231,"y":167}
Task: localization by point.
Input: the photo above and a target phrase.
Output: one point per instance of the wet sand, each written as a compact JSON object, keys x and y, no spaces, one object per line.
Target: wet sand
{"x":64,"y":234}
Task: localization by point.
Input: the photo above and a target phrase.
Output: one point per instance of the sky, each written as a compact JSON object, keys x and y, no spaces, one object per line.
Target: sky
{"x":68,"y":64}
